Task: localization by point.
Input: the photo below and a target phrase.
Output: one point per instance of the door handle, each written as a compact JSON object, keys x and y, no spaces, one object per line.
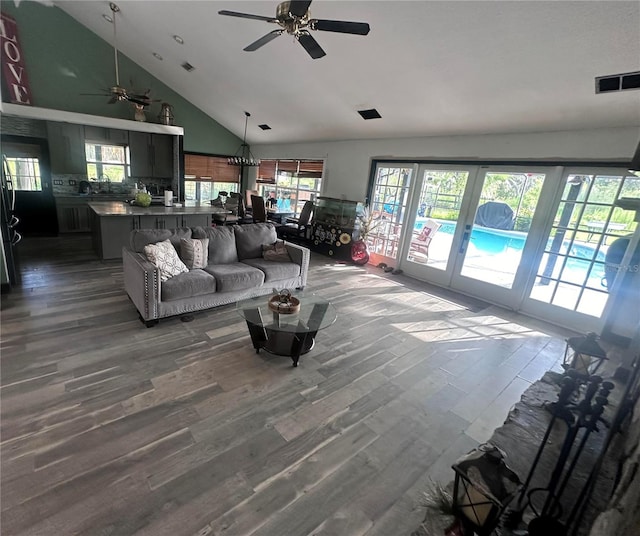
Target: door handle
{"x":16,"y":238}
{"x":463,"y":243}
{"x":13,"y":222}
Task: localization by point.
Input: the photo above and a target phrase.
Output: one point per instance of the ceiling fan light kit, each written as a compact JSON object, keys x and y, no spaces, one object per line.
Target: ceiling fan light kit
{"x":294,"y":18}
{"x":243,"y":156}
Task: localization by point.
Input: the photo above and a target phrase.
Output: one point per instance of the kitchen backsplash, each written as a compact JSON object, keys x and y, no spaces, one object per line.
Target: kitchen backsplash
{"x":67,"y":184}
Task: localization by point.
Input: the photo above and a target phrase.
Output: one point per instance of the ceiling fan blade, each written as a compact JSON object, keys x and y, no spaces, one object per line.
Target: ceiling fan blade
{"x":341,"y":26}
{"x":263,"y":40}
{"x":142,"y":100}
{"x":299,"y":8}
{"x":311,"y":45}
{"x":246,"y":15}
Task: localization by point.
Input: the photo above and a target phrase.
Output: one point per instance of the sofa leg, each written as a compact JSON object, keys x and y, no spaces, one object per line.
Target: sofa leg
{"x":148,"y":323}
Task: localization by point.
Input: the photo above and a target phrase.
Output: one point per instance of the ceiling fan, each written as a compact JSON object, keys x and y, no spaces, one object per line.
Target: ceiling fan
{"x":117,"y":93}
{"x":294,"y":18}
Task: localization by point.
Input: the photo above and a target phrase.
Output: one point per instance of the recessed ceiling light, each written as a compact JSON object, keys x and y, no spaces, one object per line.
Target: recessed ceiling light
{"x":157,"y":56}
{"x":265,"y":127}
{"x":370,"y":114}
{"x":107,"y":18}
{"x":178,"y":39}
{"x":188,"y":67}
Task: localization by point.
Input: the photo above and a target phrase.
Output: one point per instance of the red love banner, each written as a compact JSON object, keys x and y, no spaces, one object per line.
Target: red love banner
{"x":14,"y":75}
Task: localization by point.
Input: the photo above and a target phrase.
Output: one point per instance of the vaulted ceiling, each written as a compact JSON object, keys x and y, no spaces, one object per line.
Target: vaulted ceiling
{"x":428,"y":67}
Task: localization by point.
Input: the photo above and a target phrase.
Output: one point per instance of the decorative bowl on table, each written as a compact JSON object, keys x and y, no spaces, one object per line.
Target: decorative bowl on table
{"x":284,"y":303}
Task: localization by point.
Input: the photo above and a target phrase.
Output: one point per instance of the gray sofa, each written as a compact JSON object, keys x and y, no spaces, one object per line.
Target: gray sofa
{"x":235,"y":270}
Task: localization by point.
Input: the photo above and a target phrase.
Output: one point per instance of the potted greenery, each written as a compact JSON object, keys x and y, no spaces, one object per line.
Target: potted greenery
{"x":366,"y":224}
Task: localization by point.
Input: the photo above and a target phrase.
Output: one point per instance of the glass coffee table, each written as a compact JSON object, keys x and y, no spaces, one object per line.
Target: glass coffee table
{"x":290,"y":335}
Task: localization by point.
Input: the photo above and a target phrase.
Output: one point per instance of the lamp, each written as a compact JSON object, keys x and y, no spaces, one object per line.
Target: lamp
{"x":584,"y":354}
{"x":482,"y":488}
{"x":243,"y":156}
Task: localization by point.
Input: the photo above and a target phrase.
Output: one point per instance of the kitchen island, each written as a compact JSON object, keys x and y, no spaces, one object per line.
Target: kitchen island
{"x":112,"y":222}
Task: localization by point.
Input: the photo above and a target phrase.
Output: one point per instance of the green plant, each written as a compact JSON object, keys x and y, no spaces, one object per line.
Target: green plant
{"x":367,"y":222}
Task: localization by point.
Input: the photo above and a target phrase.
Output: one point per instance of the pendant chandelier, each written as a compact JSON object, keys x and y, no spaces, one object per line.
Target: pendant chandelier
{"x":243,"y":156}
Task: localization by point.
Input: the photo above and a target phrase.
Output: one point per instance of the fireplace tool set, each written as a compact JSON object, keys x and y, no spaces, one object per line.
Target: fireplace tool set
{"x":580,"y":405}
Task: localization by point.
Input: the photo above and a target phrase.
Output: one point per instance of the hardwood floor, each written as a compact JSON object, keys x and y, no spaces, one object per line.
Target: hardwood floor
{"x":110,"y":428}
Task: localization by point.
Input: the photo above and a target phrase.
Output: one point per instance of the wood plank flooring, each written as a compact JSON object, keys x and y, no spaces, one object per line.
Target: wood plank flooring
{"x":110,"y":428}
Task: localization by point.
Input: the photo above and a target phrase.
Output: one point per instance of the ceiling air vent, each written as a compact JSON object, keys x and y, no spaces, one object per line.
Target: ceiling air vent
{"x":188,"y":67}
{"x":369,"y":114}
{"x":618,"y":82}
{"x":265,"y":127}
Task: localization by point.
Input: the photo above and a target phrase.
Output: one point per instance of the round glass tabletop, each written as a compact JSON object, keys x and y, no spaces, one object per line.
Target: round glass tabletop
{"x":315,"y":313}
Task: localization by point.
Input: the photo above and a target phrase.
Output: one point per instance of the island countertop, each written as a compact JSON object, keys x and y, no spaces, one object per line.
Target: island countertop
{"x":119,"y":208}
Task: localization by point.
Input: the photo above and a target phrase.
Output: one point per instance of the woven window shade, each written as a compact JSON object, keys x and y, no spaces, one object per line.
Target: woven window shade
{"x":308,"y":168}
{"x":311,"y":166}
{"x":210,"y":169}
{"x":290,"y":166}
{"x":267,"y":169}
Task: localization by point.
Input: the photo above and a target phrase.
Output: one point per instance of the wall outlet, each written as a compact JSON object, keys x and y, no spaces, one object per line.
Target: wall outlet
{"x":72,"y":182}
{"x":57,"y":182}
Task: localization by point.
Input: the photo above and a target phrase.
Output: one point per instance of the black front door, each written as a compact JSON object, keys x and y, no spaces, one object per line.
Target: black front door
{"x":28,"y":163}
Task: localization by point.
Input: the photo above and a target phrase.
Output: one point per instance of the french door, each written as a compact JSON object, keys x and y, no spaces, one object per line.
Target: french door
{"x":581,"y":254}
{"x":390,"y":197}
{"x":439,"y":202}
{"x":545,"y":240}
{"x":473,"y":229}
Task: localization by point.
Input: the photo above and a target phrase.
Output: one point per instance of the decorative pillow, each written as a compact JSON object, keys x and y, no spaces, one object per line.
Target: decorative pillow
{"x":165,"y":257}
{"x":275,"y":252}
{"x":194,"y":252}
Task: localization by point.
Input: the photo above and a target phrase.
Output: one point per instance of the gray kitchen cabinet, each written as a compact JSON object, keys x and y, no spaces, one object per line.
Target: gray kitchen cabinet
{"x":106,"y":135}
{"x":151,"y":155}
{"x":110,"y":233}
{"x":195,"y":220}
{"x":74,"y":215}
{"x":66,"y":148}
{"x":160,"y":222}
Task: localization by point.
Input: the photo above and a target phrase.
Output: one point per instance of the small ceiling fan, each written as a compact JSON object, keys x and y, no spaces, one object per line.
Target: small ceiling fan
{"x":294,"y":18}
{"x":117,"y":92}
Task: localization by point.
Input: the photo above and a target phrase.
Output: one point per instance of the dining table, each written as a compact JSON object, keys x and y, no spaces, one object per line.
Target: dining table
{"x":279,"y":216}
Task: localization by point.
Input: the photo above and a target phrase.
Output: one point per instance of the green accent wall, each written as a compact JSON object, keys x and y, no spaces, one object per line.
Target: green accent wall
{"x":63,"y":59}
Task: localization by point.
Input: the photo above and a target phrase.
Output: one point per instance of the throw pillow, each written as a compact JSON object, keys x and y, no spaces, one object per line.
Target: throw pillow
{"x":194,"y":252}
{"x":165,"y":257}
{"x":275,"y":252}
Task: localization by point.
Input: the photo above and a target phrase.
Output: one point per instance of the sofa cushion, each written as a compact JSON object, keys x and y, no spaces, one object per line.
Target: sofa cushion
{"x":194,"y":252}
{"x":165,"y":257}
{"x":249,"y":239}
{"x":222,"y":243}
{"x":235,"y":276}
{"x":188,"y":284}
{"x":274,"y":271}
{"x":139,"y":238}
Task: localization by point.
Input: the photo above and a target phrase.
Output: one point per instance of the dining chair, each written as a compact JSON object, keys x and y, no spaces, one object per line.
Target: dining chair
{"x":297,"y":227}
{"x":258,"y":209}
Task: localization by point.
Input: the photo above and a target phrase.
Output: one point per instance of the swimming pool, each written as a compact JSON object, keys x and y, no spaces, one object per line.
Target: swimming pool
{"x":506,"y":246}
